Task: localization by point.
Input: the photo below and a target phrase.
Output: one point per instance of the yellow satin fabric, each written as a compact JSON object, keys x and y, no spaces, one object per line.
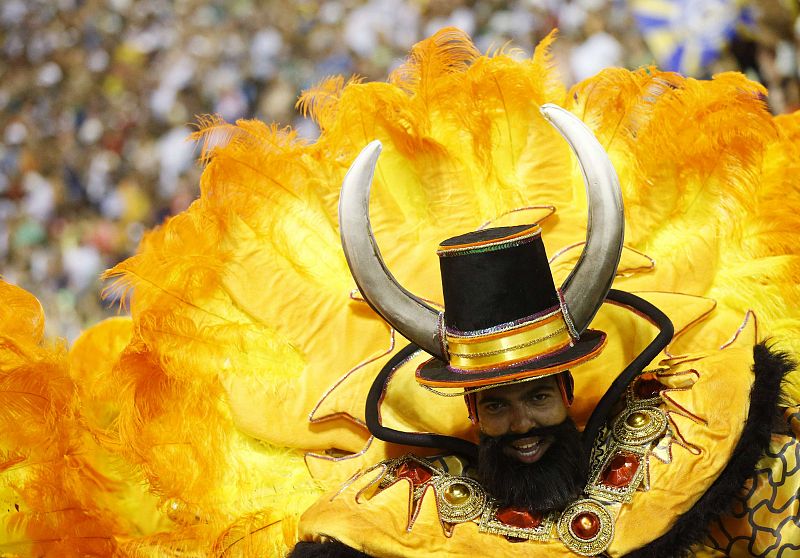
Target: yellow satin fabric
{"x":379,"y":527}
{"x":714,"y":388}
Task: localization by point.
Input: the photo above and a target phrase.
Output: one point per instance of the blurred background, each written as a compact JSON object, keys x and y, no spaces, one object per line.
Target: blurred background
{"x":97,"y":97}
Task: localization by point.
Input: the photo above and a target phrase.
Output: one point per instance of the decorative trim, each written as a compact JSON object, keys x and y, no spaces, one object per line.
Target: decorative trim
{"x":460,"y":499}
{"x":511,"y":362}
{"x":468,"y":386}
{"x":599,"y":528}
{"x":514,"y":324}
{"x":391,"y":475}
{"x":574,"y":333}
{"x":524,"y":344}
{"x":523,"y":237}
{"x":490,"y":524}
{"x":635,"y":401}
{"x":636,"y":427}
{"x":597,"y":486}
{"x":441,"y":331}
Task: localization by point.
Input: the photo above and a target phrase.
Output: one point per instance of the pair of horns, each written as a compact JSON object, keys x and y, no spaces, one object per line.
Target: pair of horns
{"x":585,"y":288}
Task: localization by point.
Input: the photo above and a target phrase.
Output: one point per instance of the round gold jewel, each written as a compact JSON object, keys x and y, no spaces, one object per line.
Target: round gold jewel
{"x":586,"y":527}
{"x":457,"y":493}
{"x":587,"y":524}
{"x":639,"y":427}
{"x":637,"y":420}
{"x":460,"y":499}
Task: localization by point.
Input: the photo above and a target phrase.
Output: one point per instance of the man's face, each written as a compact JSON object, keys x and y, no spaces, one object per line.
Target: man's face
{"x":530,"y":454}
{"x":515,"y":409}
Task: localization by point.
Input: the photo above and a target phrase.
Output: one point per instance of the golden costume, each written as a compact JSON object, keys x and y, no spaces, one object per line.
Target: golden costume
{"x":233,"y":397}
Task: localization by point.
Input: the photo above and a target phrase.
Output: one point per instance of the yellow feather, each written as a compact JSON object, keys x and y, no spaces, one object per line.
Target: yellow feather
{"x":185,"y":428}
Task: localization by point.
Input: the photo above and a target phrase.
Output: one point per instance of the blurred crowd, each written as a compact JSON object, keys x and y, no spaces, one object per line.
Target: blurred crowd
{"x":97,"y":98}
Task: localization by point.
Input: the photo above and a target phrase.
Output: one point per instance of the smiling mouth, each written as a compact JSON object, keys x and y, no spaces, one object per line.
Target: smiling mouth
{"x":527,"y":450}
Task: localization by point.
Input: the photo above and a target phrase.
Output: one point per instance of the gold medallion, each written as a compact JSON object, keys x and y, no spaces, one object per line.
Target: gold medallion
{"x":459,"y":499}
{"x":640,"y":426}
{"x":586,"y":527}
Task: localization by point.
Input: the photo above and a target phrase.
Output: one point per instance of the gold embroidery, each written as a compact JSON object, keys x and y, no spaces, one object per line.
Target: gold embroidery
{"x":619,"y":467}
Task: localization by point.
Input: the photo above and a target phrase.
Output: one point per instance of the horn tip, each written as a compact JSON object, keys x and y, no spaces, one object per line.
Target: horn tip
{"x":374,"y":148}
{"x":548,"y":109}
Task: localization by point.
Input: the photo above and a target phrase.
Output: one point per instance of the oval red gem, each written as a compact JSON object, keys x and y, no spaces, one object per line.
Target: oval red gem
{"x":414,"y":472}
{"x":620,"y":470}
{"x":519,"y":517}
{"x":647,"y":388}
{"x":585,"y":525}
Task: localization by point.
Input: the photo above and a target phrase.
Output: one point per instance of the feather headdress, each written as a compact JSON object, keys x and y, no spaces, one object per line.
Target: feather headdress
{"x":235,"y":391}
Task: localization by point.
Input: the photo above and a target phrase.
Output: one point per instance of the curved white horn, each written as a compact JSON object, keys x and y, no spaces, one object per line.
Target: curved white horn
{"x":417,"y":321}
{"x":588,"y":283}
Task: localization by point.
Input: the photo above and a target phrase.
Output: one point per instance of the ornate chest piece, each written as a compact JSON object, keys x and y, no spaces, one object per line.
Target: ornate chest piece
{"x":619,"y":464}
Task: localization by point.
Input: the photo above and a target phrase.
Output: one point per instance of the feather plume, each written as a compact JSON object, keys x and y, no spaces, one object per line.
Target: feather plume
{"x":249,"y":287}
{"x":698,"y":193}
{"x":53,"y":492}
{"x":320,"y":102}
{"x":182,"y":430}
{"x":431,"y":62}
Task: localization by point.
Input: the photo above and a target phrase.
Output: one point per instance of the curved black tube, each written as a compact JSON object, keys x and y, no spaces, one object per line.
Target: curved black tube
{"x":425,"y":440}
{"x":620,"y":384}
{"x":599,"y":415}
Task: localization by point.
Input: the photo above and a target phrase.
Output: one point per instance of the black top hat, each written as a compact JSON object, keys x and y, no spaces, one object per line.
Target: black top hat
{"x":504,"y":319}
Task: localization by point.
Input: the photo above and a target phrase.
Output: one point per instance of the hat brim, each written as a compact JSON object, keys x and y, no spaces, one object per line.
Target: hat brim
{"x":437,"y":373}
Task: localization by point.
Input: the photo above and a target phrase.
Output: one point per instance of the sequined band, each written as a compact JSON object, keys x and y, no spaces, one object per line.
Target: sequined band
{"x":523,"y":343}
{"x":567,"y":317}
{"x":442,"y":334}
{"x":524,"y":237}
{"x":533,"y":319}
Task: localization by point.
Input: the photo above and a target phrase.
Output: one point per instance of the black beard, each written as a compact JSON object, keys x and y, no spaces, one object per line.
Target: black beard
{"x":550,"y":483}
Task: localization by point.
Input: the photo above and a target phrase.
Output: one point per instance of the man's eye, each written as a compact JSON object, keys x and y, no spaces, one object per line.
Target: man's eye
{"x":492,"y":407}
{"x":539,"y":396}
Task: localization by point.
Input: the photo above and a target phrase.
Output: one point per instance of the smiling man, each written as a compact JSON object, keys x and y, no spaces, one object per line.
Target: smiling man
{"x":510,"y":347}
{"x":530,"y":453}
{"x":507,"y":340}
{"x":666,"y":463}
{"x":517,"y":413}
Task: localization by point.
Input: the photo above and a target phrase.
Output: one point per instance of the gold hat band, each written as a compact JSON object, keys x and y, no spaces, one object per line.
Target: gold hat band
{"x":514,"y":345}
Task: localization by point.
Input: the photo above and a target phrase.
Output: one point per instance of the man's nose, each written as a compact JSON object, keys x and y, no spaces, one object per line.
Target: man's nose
{"x":522,"y":420}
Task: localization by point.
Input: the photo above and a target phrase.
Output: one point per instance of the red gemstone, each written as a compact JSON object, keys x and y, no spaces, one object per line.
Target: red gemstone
{"x":585,"y":525}
{"x":647,"y":388}
{"x":519,"y":517}
{"x":414,"y":472}
{"x":620,"y":470}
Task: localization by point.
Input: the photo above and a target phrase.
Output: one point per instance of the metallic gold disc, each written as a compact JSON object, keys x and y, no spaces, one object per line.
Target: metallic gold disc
{"x":639,"y":426}
{"x":586,"y":527}
{"x":637,"y":420}
{"x":457,"y":494}
{"x":460,"y":499}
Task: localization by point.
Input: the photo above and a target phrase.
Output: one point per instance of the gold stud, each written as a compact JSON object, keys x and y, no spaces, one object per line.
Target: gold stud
{"x":457,"y":494}
{"x":637,"y":420}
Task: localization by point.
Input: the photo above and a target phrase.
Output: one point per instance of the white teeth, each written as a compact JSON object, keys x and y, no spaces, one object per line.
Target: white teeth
{"x":528,"y":447}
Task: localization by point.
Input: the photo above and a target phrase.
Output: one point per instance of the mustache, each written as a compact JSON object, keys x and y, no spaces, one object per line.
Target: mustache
{"x":537,"y":431}
{"x":549,"y":484}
